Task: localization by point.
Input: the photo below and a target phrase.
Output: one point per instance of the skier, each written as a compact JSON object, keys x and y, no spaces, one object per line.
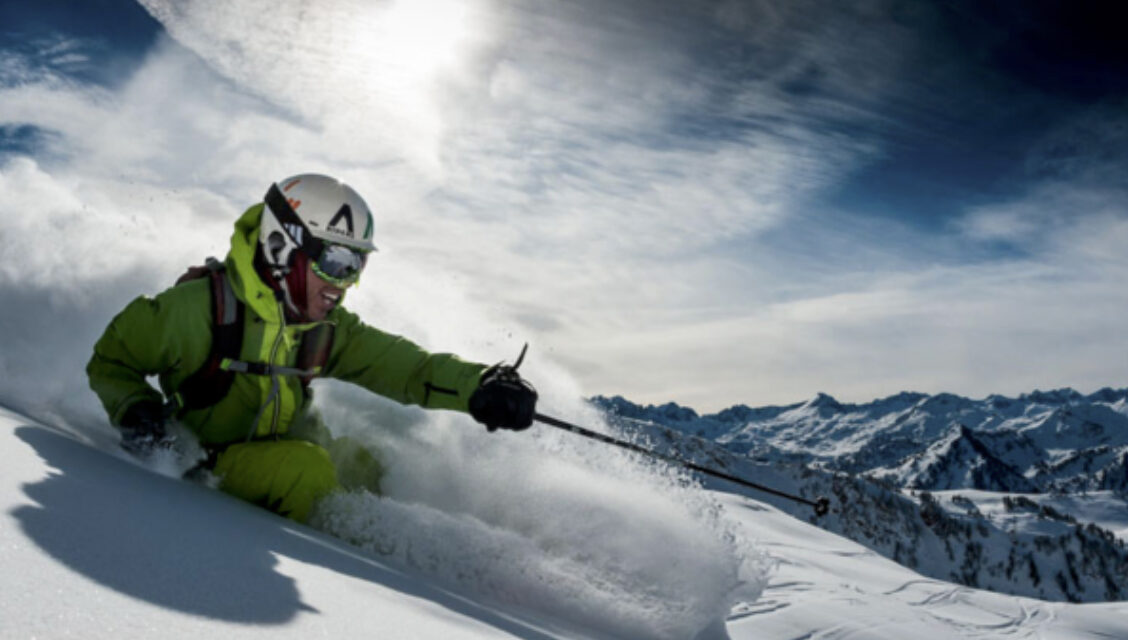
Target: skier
{"x":236,"y":344}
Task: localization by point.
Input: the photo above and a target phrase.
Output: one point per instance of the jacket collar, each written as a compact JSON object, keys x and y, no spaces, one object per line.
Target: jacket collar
{"x":245,"y":281}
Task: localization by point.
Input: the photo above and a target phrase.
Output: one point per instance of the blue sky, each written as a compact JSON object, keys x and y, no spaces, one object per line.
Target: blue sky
{"x":713,"y":202}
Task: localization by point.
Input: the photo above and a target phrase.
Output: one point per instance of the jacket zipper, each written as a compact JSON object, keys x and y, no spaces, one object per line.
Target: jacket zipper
{"x":274,"y":382}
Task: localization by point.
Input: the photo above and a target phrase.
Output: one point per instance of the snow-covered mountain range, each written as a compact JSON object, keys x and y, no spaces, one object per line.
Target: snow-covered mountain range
{"x":1021,"y":495}
{"x":1059,"y":441}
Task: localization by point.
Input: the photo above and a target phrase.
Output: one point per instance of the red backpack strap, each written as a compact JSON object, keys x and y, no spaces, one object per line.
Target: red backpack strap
{"x":194,"y":273}
{"x":211,"y":382}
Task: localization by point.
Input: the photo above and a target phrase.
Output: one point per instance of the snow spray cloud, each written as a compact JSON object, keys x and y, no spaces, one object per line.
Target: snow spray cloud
{"x":561,"y":527}
{"x":105,"y":211}
{"x":75,"y":251}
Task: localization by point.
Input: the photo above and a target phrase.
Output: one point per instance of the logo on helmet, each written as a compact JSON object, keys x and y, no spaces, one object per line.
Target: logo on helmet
{"x":344,"y":213}
{"x":295,"y":232}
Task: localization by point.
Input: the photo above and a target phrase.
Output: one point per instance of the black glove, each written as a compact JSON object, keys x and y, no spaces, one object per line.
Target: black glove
{"x":143,"y":428}
{"x":503,"y":399}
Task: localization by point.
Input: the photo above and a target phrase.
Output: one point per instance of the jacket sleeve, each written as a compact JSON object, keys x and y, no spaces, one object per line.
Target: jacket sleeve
{"x":161,"y":336}
{"x":398,"y":368}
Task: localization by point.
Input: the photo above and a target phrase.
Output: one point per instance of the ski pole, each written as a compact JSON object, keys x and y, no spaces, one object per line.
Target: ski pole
{"x":821,"y":505}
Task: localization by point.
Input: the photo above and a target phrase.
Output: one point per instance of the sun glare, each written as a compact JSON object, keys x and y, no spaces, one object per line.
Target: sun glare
{"x":399,"y":56}
{"x":422,"y":38}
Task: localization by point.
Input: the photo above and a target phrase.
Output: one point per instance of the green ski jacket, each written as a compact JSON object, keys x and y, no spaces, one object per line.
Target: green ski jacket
{"x":170,"y":336}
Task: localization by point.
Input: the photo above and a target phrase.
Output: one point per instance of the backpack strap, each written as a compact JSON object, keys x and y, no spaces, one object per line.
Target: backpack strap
{"x":211,"y":382}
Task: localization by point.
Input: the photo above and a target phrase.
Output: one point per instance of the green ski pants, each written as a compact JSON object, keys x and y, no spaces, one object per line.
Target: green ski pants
{"x":285,"y":476}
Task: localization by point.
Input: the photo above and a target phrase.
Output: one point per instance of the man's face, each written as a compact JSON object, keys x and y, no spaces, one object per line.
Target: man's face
{"x":321,"y":296}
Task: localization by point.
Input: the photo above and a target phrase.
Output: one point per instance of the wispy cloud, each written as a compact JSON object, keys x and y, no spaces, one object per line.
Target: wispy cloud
{"x":1089,"y":148}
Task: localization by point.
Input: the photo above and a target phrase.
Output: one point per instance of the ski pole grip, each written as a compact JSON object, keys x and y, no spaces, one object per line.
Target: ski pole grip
{"x":822,"y":506}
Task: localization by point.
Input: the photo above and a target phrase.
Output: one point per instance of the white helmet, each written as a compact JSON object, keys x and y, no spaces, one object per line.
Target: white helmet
{"x":314,"y":212}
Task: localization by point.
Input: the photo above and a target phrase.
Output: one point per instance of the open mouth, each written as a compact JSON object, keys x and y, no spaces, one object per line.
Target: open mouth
{"x":331,"y":297}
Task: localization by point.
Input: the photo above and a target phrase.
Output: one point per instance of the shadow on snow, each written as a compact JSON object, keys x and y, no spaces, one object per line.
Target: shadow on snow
{"x":154,"y":539}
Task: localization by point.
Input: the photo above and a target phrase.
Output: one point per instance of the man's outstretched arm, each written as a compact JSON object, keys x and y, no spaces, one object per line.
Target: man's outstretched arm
{"x":399,"y":369}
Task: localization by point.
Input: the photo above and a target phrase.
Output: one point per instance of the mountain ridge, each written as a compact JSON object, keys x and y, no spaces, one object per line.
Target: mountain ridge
{"x":1036,"y":435}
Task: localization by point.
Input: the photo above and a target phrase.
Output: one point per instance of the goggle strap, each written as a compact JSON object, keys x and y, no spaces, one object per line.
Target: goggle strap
{"x":290,"y":222}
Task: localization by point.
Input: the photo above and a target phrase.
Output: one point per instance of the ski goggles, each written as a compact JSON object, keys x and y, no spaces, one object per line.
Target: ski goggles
{"x":339,"y":265}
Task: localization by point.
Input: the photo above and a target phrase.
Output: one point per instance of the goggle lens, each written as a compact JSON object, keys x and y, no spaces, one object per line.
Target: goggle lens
{"x":340,"y":265}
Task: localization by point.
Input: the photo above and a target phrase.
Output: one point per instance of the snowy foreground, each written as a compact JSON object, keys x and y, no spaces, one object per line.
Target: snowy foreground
{"x":93,"y":545}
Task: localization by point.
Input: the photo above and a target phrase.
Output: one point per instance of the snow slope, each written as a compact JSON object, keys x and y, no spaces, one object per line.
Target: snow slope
{"x":93,"y":545}
{"x":133,"y":547}
{"x":829,"y":588}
